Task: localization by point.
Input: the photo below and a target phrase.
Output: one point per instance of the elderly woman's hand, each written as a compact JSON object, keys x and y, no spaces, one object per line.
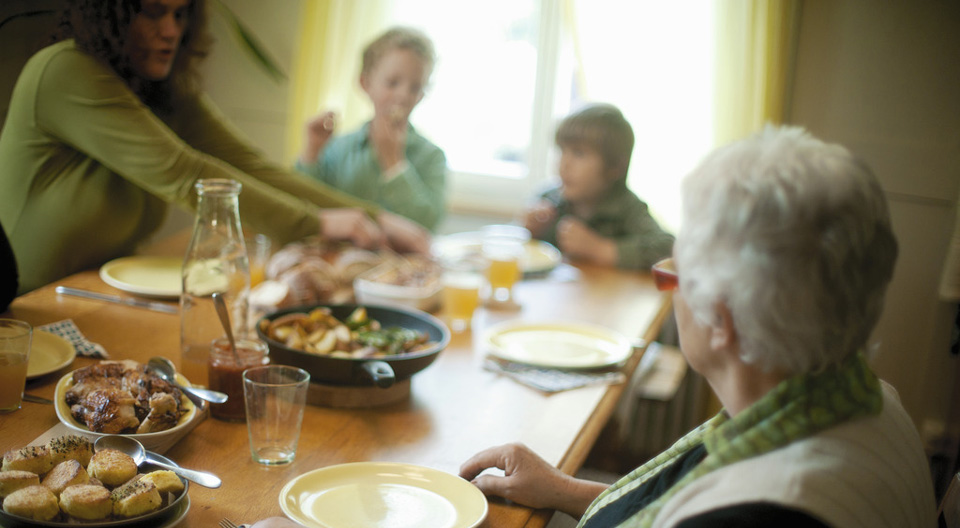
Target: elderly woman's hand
{"x":529,"y":480}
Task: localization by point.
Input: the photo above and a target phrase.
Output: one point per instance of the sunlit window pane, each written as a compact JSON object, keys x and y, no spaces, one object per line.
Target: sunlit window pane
{"x":480,"y":106}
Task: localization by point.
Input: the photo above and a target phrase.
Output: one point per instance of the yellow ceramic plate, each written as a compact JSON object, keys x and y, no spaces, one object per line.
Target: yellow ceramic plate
{"x":151,"y":276}
{"x":48,"y":353}
{"x":557,"y":344}
{"x":380,"y":495}
{"x":540,"y":256}
{"x":158,"y":441}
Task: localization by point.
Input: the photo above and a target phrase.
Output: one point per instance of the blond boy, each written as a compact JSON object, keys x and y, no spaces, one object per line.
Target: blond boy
{"x":386,"y":161}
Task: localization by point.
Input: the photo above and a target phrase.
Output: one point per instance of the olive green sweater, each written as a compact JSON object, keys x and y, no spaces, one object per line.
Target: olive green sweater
{"x":87,"y":171}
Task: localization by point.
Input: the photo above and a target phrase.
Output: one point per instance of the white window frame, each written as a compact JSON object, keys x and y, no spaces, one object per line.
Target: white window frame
{"x":501,"y":194}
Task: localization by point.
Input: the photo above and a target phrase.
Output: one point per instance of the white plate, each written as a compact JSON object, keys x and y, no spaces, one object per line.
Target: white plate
{"x":158,"y":441}
{"x":540,"y":256}
{"x":562,"y":345}
{"x":48,"y":353}
{"x":151,"y":276}
{"x":380,"y":495}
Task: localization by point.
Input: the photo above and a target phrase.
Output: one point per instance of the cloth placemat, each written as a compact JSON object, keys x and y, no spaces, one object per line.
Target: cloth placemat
{"x":551,"y":380}
{"x":68,"y":330}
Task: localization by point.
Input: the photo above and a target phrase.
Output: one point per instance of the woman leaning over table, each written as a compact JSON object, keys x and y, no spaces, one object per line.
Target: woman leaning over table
{"x":107,"y":127}
{"x":783,"y":259}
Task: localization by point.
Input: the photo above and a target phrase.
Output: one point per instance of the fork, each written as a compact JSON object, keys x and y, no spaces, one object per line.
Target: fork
{"x":227,"y":523}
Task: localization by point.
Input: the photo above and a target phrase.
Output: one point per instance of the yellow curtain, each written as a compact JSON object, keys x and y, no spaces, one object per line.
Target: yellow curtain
{"x":756,"y":49}
{"x":327,"y":59}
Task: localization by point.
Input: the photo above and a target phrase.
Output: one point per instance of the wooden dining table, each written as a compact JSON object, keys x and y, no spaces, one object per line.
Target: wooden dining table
{"x":455,"y":407}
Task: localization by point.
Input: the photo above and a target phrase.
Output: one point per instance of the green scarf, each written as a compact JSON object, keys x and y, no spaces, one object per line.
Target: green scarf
{"x":796,"y":408}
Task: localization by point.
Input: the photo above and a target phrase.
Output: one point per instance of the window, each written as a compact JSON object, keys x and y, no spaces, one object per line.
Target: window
{"x":509,"y":70}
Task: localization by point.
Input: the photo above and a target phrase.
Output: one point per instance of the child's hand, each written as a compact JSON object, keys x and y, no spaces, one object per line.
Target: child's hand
{"x":319,"y":130}
{"x":539,"y":217}
{"x":389,"y":137}
{"x":579,"y":242}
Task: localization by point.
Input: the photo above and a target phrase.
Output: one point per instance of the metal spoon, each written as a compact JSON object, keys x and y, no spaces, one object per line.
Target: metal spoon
{"x":221,"y":306}
{"x":164,"y":368}
{"x":134,"y":448}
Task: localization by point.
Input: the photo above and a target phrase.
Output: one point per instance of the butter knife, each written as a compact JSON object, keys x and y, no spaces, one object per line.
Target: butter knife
{"x":129,"y":301}
{"x":36,"y":399}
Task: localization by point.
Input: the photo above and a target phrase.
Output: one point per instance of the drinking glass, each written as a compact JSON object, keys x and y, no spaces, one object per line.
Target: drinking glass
{"x":503,"y":247}
{"x":461,"y":296}
{"x":258,"y":253}
{"x":15,"y":338}
{"x":275,"y":396}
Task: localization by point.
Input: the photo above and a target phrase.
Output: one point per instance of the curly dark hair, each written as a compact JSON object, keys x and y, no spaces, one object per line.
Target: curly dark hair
{"x":100,"y":28}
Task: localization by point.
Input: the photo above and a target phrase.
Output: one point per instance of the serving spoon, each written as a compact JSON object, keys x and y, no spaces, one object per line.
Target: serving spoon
{"x":224,"y":315}
{"x":135,"y":449}
{"x":165,"y":369}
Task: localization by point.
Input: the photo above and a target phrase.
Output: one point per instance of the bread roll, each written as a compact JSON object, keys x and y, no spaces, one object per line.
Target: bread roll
{"x":112,"y":467}
{"x":35,"y":459}
{"x":135,"y":498}
{"x":86,"y":501}
{"x":70,"y":447}
{"x":64,"y":474}
{"x":15,"y":479}
{"x":166,"y":481}
{"x":32,"y":502}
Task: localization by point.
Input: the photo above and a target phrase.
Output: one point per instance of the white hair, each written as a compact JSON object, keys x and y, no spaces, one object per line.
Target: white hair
{"x":793,"y":235}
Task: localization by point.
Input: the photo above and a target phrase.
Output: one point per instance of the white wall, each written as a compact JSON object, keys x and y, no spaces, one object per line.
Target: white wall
{"x":883,"y":78}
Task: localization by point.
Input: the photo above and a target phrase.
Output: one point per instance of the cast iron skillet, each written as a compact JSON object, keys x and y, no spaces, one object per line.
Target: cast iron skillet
{"x":382,"y":372}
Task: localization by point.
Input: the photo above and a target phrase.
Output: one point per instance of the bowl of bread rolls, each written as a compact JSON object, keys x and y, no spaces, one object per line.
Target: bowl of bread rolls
{"x":64,"y":483}
{"x":121,"y":397}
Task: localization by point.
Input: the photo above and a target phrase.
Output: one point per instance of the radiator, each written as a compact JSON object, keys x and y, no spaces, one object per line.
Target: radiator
{"x":665,"y":401}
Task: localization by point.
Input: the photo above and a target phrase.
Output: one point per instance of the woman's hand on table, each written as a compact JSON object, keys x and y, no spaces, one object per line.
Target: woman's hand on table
{"x":351,"y":224}
{"x":404,"y":235}
{"x":529,"y":480}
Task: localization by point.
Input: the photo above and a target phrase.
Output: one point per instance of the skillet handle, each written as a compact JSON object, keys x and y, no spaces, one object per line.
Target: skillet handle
{"x":380,"y":372}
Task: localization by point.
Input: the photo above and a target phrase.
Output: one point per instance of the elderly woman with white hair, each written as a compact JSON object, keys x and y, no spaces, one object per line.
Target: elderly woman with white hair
{"x":782,"y":263}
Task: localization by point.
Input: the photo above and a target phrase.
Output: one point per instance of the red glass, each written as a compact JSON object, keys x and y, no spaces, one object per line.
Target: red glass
{"x":665,"y":275}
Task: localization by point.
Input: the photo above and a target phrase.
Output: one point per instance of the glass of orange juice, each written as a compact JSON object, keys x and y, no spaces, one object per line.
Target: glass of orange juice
{"x":461,"y":296}
{"x":503,"y":249}
{"x":258,"y":253}
{"x":15,"y":338}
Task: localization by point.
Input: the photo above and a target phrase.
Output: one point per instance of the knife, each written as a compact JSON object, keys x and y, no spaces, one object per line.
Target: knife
{"x":129,"y":301}
{"x":36,"y":399}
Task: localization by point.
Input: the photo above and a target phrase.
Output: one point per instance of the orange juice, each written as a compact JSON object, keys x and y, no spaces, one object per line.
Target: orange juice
{"x":503,"y":272}
{"x":461,"y":296}
{"x":257,"y":273}
{"x":13,"y":377}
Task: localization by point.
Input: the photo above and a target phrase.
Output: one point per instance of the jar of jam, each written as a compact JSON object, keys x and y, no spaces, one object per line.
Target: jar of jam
{"x":225,"y":374}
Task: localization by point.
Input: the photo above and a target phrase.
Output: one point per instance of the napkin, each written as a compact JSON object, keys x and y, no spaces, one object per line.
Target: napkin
{"x":551,"y":380}
{"x":69,"y":331}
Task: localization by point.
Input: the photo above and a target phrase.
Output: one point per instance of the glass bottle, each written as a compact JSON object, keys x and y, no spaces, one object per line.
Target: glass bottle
{"x":216,"y":262}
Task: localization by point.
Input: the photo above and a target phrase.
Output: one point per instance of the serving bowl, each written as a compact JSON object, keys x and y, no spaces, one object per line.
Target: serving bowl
{"x":158,"y":441}
{"x":382,"y":371}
